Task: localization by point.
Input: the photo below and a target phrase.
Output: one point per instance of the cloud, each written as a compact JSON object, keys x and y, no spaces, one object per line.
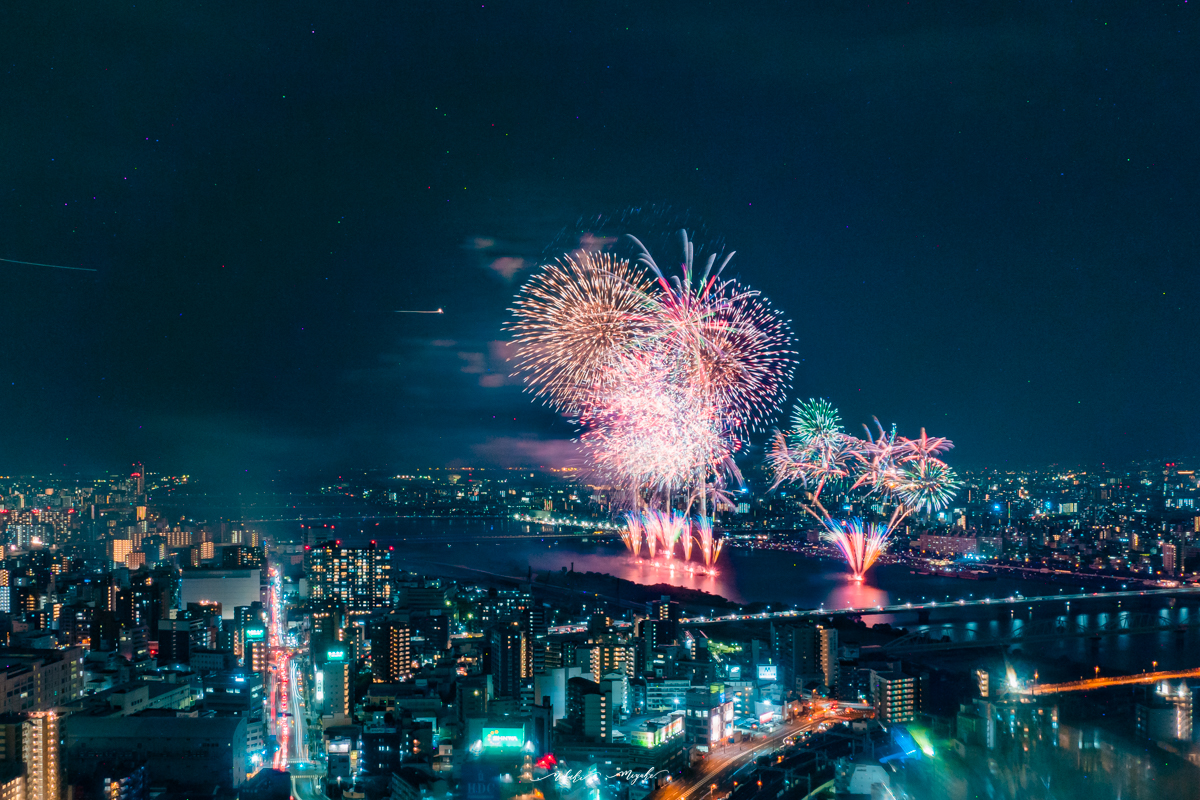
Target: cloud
{"x":508,"y":451}
{"x":491,"y":367}
{"x":507,"y":266}
{"x":591,"y":242}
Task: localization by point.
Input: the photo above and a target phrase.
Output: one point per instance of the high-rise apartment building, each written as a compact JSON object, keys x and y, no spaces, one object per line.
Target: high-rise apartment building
{"x":590,"y":709}
{"x":391,"y":651}
{"x":828,"y":655}
{"x":1170,"y":558}
{"x":894,"y":696}
{"x":40,"y":750}
{"x":612,"y":654}
{"x":358,"y":577}
{"x":667,"y":611}
{"x":510,"y":658}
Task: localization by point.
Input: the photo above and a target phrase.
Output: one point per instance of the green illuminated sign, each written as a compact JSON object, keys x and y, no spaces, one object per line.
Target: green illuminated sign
{"x":503,"y":738}
{"x":335,"y":655}
{"x":256,"y":634}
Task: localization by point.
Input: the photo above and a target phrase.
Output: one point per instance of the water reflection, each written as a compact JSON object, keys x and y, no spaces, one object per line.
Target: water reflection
{"x":856,"y":594}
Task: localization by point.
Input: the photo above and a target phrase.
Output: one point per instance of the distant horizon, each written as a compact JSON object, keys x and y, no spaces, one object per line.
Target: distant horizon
{"x":384,"y":472}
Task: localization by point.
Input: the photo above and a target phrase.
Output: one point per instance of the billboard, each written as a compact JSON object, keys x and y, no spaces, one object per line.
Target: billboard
{"x":255,"y":633}
{"x":335,"y":655}
{"x":503,"y":738}
{"x":768,"y":672}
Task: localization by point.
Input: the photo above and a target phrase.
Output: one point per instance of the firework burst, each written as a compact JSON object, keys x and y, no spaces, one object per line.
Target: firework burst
{"x":903,"y":473}
{"x":860,"y":543}
{"x":572,"y":319}
{"x":710,"y":548}
{"x":664,"y":375}
{"x":632,"y":533}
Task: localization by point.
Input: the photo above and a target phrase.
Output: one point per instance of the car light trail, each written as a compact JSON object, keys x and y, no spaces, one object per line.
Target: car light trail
{"x":1123,"y":680}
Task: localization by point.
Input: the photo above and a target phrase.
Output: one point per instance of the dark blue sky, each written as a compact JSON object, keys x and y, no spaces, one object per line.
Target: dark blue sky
{"x":981,"y":218}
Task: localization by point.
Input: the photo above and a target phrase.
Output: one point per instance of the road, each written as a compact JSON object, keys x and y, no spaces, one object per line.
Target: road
{"x":719,"y":766}
{"x":1119,"y":680}
{"x":289,"y":706}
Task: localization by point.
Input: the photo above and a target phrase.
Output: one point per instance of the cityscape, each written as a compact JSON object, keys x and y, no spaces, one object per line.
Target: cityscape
{"x":599,"y":401}
{"x":1047,"y":623}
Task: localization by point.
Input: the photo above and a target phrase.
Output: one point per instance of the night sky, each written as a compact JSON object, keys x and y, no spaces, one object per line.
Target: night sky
{"x":981,"y":218}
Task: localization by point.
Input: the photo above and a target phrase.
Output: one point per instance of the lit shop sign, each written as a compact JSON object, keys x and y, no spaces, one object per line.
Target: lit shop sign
{"x":653,"y":738}
{"x":766,"y":717}
{"x":768,"y":672}
{"x":335,"y":655}
{"x":255,"y":634}
{"x":503,"y":738}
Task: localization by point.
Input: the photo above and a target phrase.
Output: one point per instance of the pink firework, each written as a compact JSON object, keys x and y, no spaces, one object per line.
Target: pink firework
{"x":860,"y":543}
{"x":710,"y":548}
{"x":632,"y":534}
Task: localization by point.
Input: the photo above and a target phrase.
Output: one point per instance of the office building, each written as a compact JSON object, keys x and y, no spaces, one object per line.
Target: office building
{"x":708,"y":718}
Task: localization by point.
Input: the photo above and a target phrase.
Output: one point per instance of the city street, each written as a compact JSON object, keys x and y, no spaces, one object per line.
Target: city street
{"x":289,"y":706}
{"x":719,"y":766}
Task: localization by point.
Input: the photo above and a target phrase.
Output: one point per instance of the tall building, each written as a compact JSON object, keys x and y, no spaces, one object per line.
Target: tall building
{"x":39,"y":680}
{"x":204,"y":751}
{"x":1170,"y":558}
{"x":1167,"y":714}
{"x":328,"y":623}
{"x":334,"y":688}
{"x":828,"y":656}
{"x":893,"y":694}
{"x":510,"y":658}
{"x":590,"y":710}
{"x":798,"y":652}
{"x":359,"y":578}
{"x":391,"y":652}
{"x":12,"y":781}
{"x":43,"y":773}
{"x":612,"y":654}
{"x":667,"y":611}
{"x":709,"y":717}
